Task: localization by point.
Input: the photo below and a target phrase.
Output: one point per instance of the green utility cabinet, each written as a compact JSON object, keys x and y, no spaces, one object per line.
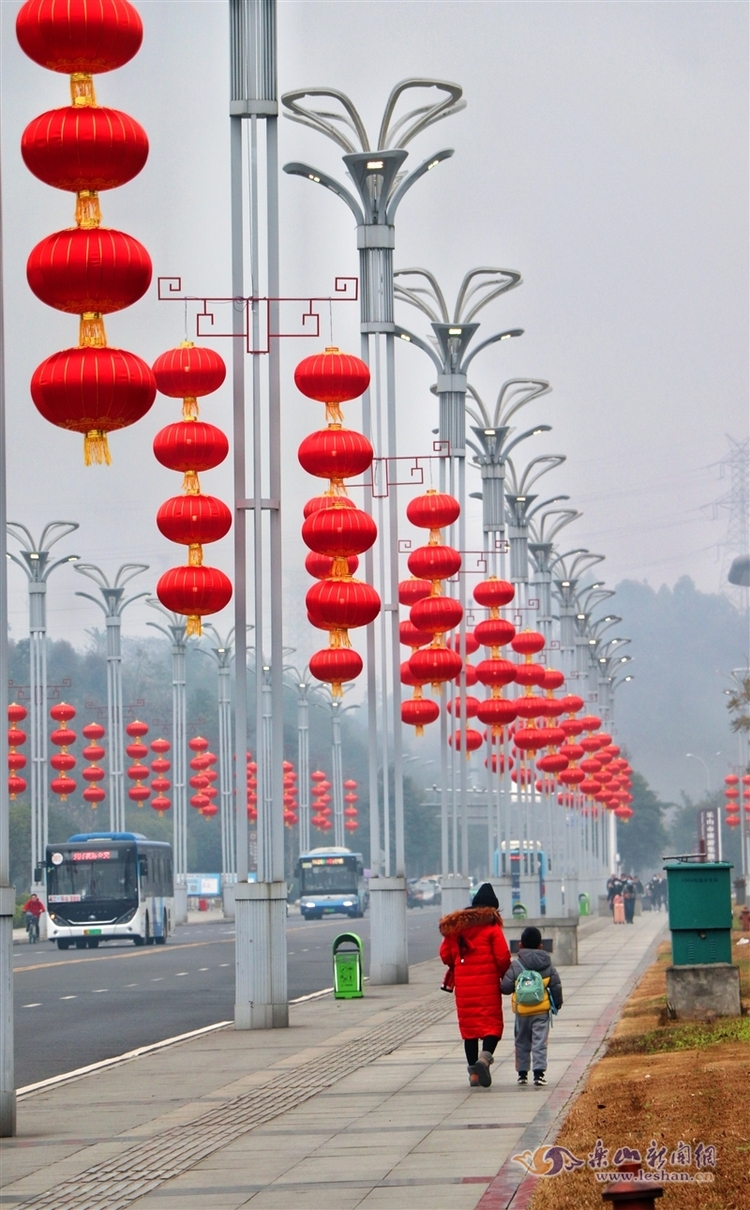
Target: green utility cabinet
{"x":700,"y":911}
{"x":347,"y":967}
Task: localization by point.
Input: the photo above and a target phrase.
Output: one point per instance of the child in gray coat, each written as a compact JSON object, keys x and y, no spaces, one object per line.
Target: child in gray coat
{"x":532,"y":1001}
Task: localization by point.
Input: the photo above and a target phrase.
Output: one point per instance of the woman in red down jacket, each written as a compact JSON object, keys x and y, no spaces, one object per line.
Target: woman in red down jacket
{"x":477,"y":955}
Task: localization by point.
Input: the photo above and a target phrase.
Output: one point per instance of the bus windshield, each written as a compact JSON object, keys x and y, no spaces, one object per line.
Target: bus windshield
{"x":328,"y":875}
{"x":87,"y":874}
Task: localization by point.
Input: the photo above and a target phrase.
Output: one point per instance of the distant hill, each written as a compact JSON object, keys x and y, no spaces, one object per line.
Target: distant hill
{"x":684,"y":644}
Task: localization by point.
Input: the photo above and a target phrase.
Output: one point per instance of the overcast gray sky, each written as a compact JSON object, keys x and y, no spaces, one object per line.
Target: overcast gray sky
{"x":603,"y":153}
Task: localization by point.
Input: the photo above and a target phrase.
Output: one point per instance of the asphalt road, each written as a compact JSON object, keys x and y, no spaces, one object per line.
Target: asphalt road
{"x":76,"y":1007}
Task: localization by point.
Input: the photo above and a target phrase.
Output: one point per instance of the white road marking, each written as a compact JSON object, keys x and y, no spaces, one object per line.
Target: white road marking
{"x":225,"y":964}
{"x":37,"y":1005}
{"x":181,"y":973}
{"x":130,"y":985}
{"x":158,"y":979}
{"x":96,"y":990}
{"x":68,"y":997}
{"x":202,"y":968}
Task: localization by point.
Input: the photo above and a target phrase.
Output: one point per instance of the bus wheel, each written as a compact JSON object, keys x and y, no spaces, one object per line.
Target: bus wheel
{"x":81,"y":943}
{"x":148,"y":939}
{"x":93,"y":943}
{"x":138,"y":941}
{"x":63,"y":945}
{"x":164,"y":930}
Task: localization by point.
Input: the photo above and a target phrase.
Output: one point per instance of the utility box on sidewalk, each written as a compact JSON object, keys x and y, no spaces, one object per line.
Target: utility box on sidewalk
{"x":700,"y":911}
{"x":347,"y":967}
{"x":702,"y":980}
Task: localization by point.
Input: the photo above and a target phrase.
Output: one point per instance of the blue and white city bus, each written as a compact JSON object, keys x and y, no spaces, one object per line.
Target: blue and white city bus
{"x":109,"y":886}
{"x":331,"y":881}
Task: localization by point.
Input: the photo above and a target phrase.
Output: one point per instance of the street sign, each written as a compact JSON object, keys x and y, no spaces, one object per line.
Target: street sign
{"x":708,"y":833}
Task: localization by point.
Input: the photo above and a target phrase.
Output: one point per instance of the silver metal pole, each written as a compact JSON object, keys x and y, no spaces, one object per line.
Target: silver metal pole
{"x":7,"y":892}
{"x":303,"y":766}
{"x":337,"y":775}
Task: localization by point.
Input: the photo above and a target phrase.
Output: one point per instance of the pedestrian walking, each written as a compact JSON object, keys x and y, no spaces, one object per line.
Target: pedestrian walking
{"x":477,"y":956}
{"x":536,"y":991}
{"x":628,"y":900}
{"x":618,"y":909}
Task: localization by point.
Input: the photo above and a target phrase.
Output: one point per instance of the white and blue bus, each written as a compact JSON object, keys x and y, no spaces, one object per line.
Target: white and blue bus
{"x":331,"y":881}
{"x":109,"y":886}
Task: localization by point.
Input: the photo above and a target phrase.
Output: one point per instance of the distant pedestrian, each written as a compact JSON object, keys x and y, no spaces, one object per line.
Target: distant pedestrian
{"x":618,"y":909}
{"x":477,"y":956}
{"x":628,"y":900}
{"x":536,"y":991}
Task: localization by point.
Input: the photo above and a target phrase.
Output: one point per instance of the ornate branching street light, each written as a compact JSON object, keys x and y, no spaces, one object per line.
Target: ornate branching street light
{"x":305,"y":688}
{"x":520,"y":508}
{"x":542,"y":533}
{"x":112,"y":606}
{"x":380,"y":186}
{"x":568,"y":570}
{"x":34,"y":559}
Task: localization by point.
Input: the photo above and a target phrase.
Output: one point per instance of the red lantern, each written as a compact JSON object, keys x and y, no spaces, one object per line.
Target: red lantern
{"x":410,"y":636}
{"x":332,"y":377}
{"x":494,"y":632}
{"x":528,"y":642}
{"x":496,"y":672}
{"x":472,"y":706}
{"x":434,"y":664}
{"x":343,"y":604}
{"x":469,"y":640}
{"x":530,"y":674}
{"x":63,"y":761}
{"x":190,"y":446}
{"x":89,"y":270}
{"x":78,"y":36}
{"x":84,"y":150}
{"x":473,"y":740}
{"x":335,"y":454}
{"x":351,"y":825}
{"x":434,"y":562}
{"x":93,"y":391}
{"x":413,"y":590}
{"x":497,"y":712}
{"x":339,"y":532}
{"x":336,"y":665}
{"x":160,"y":803}
{"x":436,"y":614}
{"x":493,"y":593}
{"x":63,"y":786}
{"x":194,"y":592}
{"x":433,"y":510}
{"x":189,"y":372}
{"x":553,"y":762}
{"x":16,"y":712}
{"x":194,"y":519}
{"x":572,"y":776}
{"x":419,"y":712}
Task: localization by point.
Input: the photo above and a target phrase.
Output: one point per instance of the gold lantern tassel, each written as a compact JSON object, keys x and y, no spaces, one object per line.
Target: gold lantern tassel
{"x":190,"y":409}
{"x":195,"y":555}
{"x":91,"y":331}
{"x":82,"y":93}
{"x":337,"y":689}
{"x":193,"y":626}
{"x":96,"y":448}
{"x":88,"y":214}
{"x":191,"y":484}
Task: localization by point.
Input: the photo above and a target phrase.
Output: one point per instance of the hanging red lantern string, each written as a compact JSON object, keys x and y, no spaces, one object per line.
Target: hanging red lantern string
{"x":138,"y":772}
{"x":89,"y":271}
{"x":432,"y":615}
{"x":334,"y":529}
{"x":93,"y":773}
{"x":63,"y":761}
{"x":16,"y":759}
{"x":160,"y":766}
{"x":190,"y":372}
{"x":494,"y":673}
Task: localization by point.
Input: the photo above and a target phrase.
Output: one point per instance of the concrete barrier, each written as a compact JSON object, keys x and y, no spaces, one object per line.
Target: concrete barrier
{"x":695,"y":991}
{"x":559,"y":936}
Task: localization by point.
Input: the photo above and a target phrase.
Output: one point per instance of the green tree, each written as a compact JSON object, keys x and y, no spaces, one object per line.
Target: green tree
{"x":643,"y":841}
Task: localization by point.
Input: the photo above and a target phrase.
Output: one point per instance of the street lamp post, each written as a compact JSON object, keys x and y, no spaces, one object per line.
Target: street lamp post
{"x":302,"y":684}
{"x":261,"y":999}
{"x":380,"y":186}
{"x":541,"y":553}
{"x":176,"y":631}
{"x":449,"y":352}
{"x":222,"y":654}
{"x":112,"y":606}
{"x":7,"y":892}
{"x":33,"y":558}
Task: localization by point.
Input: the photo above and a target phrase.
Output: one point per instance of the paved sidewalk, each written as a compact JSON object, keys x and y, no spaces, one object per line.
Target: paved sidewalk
{"x":358,"y":1104}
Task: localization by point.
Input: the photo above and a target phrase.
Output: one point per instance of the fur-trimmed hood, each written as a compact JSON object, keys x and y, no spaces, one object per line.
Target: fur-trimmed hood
{"x":468,"y":918}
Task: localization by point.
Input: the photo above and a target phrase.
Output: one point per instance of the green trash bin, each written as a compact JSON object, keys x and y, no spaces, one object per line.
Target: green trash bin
{"x":347,"y":967}
{"x":520,"y":911}
{"x":700,"y":911}
{"x":584,"y":904}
